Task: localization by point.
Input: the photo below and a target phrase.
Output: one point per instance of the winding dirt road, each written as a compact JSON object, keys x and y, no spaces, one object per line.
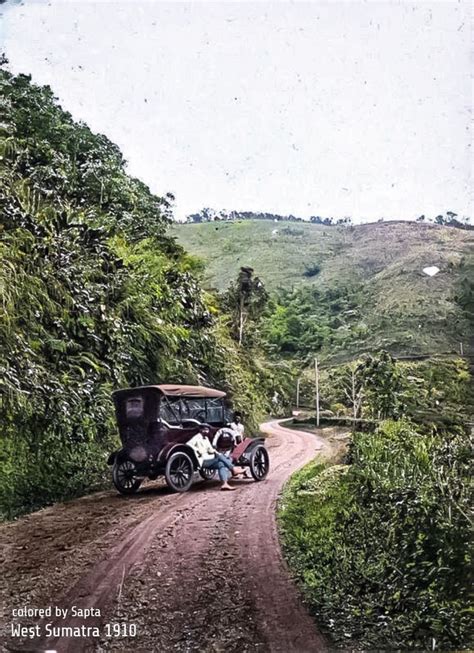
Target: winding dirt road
{"x":200,"y":571}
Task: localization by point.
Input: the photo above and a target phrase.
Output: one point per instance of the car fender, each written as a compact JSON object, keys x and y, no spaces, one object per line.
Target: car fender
{"x":169,"y":451}
{"x":112,"y":457}
{"x":245,"y":448}
{"x":250,"y":443}
{"x":115,"y":455}
{"x":254,"y":442}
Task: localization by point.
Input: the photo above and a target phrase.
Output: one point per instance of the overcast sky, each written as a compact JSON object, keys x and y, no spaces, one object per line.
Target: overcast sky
{"x":358,"y":109}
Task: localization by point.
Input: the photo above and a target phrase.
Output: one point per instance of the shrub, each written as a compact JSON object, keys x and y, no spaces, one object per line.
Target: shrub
{"x":311,"y":270}
{"x":384,"y":552}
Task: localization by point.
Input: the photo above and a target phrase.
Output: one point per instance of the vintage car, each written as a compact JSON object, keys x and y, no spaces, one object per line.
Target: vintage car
{"x":155,"y":423}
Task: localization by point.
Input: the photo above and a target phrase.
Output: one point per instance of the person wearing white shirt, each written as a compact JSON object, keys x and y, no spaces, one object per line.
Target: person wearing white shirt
{"x":238,"y":427}
{"x":239,"y":434}
{"x":209,"y":458}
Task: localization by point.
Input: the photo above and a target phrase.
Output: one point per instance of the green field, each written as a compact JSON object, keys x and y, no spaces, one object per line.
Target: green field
{"x":380,"y":266}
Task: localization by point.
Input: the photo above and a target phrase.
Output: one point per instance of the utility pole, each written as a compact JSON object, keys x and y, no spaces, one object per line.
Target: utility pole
{"x":241,"y":318}
{"x":461,"y":349}
{"x":354,"y":401}
{"x":298,"y":393}
{"x":316,"y":374}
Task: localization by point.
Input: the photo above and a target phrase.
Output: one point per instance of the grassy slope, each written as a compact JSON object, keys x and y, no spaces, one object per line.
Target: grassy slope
{"x":403,"y":309}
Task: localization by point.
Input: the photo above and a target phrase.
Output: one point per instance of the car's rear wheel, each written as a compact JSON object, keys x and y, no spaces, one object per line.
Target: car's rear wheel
{"x":259,"y":463}
{"x":124,"y":476}
{"x":207,"y":474}
{"x":179,"y":472}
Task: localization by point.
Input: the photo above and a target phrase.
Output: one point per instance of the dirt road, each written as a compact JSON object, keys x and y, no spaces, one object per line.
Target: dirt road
{"x":200,"y":571}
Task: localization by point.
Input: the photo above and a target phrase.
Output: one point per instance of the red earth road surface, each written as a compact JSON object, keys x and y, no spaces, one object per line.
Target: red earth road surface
{"x":200,"y":571}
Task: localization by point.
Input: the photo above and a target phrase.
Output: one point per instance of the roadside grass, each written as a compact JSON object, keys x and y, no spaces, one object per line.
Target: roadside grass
{"x":382,"y":547}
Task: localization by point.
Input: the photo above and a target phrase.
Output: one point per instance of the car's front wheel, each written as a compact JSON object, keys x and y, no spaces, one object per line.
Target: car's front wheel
{"x":124,"y":476}
{"x":259,"y":463}
{"x":179,"y":472}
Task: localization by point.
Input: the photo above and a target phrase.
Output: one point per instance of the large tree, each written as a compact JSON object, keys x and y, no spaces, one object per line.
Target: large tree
{"x":246,"y":300}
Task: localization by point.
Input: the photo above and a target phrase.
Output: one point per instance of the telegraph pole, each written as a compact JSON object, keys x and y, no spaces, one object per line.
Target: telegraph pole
{"x":298,"y":393}
{"x":316,"y":374}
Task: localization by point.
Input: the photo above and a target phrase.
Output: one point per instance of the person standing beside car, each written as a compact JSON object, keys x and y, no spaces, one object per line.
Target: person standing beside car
{"x":237,"y":426}
{"x":239,"y":434}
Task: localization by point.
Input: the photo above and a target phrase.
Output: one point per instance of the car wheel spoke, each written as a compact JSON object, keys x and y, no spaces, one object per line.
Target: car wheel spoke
{"x":180,"y":472}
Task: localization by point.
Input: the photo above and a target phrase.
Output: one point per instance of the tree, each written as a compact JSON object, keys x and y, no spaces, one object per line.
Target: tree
{"x":382,"y":386}
{"x":354,"y":389}
{"x":246,"y":300}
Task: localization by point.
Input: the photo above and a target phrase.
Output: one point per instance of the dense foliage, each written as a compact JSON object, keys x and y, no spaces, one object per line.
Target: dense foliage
{"x":375,"y":387}
{"x":382,"y":547}
{"x":303,"y":321}
{"x":95,"y":296}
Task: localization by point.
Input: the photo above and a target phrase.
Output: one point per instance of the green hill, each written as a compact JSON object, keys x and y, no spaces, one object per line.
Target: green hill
{"x":365,"y":284}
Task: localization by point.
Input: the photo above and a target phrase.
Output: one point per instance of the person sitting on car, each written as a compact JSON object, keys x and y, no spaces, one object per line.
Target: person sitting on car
{"x":225,"y":440}
{"x":210,"y":458}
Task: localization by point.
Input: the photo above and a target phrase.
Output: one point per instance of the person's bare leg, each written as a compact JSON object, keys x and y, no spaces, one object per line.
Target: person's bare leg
{"x":226,"y":486}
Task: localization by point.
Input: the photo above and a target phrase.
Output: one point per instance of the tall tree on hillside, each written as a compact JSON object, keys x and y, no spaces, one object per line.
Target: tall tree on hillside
{"x":383,"y":387}
{"x":246,"y":300}
{"x":354,"y":388}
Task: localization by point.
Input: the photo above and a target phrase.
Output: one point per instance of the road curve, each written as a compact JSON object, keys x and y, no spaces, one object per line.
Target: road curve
{"x":200,"y":571}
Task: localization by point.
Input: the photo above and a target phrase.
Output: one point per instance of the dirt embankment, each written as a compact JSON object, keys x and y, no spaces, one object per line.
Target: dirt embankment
{"x":200,"y":571}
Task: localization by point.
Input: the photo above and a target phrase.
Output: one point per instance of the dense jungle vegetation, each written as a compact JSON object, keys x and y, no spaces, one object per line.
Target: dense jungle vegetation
{"x":95,"y":296}
{"x":383,"y":546}
{"x":382,"y":543}
{"x":374,"y":387}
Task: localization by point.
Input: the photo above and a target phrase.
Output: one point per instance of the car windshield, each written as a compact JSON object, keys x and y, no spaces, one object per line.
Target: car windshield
{"x":175,"y":410}
{"x":215,"y":410}
{"x":170,"y":410}
{"x":193,"y":408}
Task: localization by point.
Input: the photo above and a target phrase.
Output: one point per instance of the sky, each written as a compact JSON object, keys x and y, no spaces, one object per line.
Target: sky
{"x":360,"y":109}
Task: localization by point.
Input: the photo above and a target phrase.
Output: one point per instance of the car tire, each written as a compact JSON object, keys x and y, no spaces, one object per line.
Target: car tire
{"x":124,"y":477}
{"x":179,"y":472}
{"x":259,"y":463}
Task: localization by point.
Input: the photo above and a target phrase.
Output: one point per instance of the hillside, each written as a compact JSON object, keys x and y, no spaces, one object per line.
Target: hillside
{"x":95,"y":296}
{"x":377,"y":270}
